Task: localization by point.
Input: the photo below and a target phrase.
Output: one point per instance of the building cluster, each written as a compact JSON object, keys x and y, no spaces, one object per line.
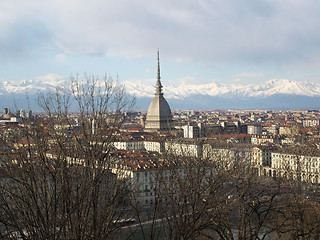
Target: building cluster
{"x":10,"y":118}
{"x":263,"y":140}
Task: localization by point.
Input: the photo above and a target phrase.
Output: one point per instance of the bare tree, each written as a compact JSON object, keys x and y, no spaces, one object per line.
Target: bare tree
{"x":219,"y":196}
{"x":299,"y":214}
{"x":58,"y":182}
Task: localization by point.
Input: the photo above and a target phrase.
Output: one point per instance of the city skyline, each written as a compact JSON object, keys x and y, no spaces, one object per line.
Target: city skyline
{"x":200,"y":42}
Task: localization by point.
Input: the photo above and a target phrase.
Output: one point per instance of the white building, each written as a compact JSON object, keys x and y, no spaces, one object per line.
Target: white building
{"x":140,"y":145}
{"x":190,"y":131}
{"x":263,"y":139}
{"x":310,"y":122}
{"x":129,"y":145}
{"x":254,"y":129}
{"x":154,"y":146}
{"x":12,"y":120}
{"x":189,"y":149}
{"x":303,"y":167}
{"x":145,"y":178}
{"x":261,"y":160}
{"x":227,"y":158}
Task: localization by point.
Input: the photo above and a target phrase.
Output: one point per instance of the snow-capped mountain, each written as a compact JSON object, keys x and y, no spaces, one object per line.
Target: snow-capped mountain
{"x":273,"y":94}
{"x":140,"y":89}
{"x":267,"y":89}
{"x":42,"y":83}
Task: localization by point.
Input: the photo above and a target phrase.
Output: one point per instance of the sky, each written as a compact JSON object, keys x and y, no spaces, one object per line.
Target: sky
{"x":200,"y":41}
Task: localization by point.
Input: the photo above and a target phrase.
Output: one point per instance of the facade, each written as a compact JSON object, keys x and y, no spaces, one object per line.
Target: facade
{"x":227,"y":158}
{"x":190,"y":131}
{"x":145,"y":178}
{"x":11,"y":120}
{"x":254,"y":129}
{"x":310,"y":122}
{"x":159,"y":115}
{"x":264,"y":139}
{"x":135,"y":145}
{"x":261,"y":159}
{"x":273,"y":129}
{"x":185,"y":148}
{"x":303,"y":167}
{"x":211,"y":129}
{"x":289,"y":130}
{"x":6,"y":113}
{"x":154,"y":146}
{"x":129,"y":145}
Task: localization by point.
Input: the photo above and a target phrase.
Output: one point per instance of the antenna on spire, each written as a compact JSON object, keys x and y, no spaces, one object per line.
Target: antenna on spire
{"x":158,"y":84}
{"x":158,"y":66}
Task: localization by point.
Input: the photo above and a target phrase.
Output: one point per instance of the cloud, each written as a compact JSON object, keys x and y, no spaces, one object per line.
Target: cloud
{"x":21,"y":30}
{"x":250,"y":75}
{"x":188,"y":80}
{"x":277,"y":31}
{"x":61,"y":57}
{"x":51,"y":79}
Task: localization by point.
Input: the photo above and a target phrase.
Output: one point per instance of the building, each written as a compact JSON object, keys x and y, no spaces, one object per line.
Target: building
{"x":296,"y":166}
{"x":310,"y":122}
{"x":289,"y":130}
{"x":129,"y":145}
{"x":231,"y":138}
{"x":264,"y":139}
{"x":154,"y":146}
{"x":261,"y":160}
{"x":10,"y":121}
{"x":146,"y":175}
{"x":254,"y":129}
{"x":227,"y":157}
{"x":230,"y":127}
{"x":184,"y":148}
{"x":159,"y":115}
{"x":29,"y":114}
{"x":190,"y":131}
{"x":6,"y":113}
{"x":210,"y":129}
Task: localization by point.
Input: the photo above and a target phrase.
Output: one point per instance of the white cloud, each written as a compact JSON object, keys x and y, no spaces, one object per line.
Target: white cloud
{"x":51,"y":79}
{"x":250,"y":75}
{"x":278,"y":31}
{"x":61,"y":57}
{"x":188,"y":80}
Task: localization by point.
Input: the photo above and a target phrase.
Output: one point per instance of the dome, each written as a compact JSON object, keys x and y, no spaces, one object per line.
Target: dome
{"x":159,"y":113}
{"x":159,"y":107}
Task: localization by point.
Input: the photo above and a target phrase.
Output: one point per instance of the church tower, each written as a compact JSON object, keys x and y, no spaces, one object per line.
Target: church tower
{"x":159,"y":113}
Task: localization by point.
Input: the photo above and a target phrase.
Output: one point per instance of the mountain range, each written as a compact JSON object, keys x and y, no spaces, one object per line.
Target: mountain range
{"x":273,"y":94}
{"x":269,"y":88}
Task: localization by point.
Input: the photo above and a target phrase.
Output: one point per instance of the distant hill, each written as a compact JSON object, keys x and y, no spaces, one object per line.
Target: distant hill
{"x":273,"y":94}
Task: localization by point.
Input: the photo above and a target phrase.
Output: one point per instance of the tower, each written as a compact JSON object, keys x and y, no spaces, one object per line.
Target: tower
{"x":159,"y":113}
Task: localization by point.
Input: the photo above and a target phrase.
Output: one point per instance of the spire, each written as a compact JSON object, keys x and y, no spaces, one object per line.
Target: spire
{"x":158,"y":84}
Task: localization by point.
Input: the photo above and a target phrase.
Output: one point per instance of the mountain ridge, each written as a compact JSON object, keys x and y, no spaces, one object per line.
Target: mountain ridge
{"x":140,"y":89}
{"x":269,"y":88}
{"x":273,"y":94}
